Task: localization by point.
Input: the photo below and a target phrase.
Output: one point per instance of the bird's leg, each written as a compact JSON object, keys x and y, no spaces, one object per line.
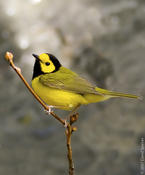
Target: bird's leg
{"x":74,"y":110}
{"x":72,"y":117}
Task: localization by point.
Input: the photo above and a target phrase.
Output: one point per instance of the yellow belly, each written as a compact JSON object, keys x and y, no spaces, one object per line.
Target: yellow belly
{"x":56,"y":97}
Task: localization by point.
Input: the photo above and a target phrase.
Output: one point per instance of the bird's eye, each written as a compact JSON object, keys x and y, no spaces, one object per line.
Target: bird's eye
{"x":47,"y":63}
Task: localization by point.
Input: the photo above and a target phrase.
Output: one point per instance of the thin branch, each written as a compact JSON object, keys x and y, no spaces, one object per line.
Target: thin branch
{"x":68,"y":133}
{"x":69,"y":128}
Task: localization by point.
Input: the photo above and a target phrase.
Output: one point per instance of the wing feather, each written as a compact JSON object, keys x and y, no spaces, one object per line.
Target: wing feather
{"x":67,"y":80}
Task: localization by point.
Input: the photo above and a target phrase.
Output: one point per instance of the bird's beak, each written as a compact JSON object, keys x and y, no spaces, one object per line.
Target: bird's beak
{"x":36,"y":56}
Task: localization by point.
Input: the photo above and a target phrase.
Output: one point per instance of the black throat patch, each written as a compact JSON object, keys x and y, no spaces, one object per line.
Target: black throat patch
{"x":37,"y":69}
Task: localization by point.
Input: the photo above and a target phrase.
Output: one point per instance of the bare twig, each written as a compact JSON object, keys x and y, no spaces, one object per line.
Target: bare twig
{"x":68,"y":133}
{"x":73,"y":118}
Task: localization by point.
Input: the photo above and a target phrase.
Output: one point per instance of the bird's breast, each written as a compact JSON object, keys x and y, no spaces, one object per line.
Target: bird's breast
{"x":59,"y":98}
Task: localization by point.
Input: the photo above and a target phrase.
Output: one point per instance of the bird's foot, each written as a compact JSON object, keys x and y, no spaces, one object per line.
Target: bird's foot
{"x":49,"y":109}
{"x":65,"y":123}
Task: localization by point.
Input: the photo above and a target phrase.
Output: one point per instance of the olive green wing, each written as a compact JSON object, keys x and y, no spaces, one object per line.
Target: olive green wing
{"x":65,"y":79}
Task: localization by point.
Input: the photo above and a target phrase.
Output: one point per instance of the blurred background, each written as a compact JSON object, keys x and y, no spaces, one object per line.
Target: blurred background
{"x":104,"y":41}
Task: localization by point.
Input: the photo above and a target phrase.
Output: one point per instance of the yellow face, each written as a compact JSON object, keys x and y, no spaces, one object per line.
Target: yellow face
{"x":46,"y":64}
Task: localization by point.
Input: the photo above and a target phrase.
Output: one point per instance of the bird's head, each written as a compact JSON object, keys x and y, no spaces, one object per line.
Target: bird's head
{"x":45,"y":63}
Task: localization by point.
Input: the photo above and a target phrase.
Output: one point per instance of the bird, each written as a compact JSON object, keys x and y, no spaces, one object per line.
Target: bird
{"x":61,"y":88}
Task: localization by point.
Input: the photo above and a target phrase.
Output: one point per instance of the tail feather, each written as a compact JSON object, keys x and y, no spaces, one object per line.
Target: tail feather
{"x":117,"y":94}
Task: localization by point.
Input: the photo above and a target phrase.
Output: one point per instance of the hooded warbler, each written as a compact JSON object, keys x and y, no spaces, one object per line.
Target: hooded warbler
{"x":62,"y":88}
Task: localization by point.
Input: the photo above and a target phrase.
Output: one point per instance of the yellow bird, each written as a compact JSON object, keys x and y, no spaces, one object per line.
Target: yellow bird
{"x":61,"y":88}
